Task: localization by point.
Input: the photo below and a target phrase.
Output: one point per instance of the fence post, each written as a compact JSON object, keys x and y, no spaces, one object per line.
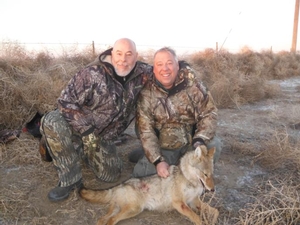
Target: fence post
{"x":93,"y":46}
{"x":295,"y":28}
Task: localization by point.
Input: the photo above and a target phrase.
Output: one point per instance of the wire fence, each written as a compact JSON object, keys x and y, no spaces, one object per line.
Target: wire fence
{"x":65,"y":48}
{"x":58,"y":49}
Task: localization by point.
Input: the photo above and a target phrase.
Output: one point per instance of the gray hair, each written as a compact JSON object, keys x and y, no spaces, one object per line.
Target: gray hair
{"x":167,"y":49}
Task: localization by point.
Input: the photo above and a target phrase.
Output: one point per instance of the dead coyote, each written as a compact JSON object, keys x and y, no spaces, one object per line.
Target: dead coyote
{"x":181,"y":190}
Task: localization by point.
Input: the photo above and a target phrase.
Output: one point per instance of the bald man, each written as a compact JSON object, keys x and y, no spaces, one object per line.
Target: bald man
{"x":95,"y":108}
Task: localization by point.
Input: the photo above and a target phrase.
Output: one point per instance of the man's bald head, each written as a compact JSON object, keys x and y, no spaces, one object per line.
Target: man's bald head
{"x":124,"y":56}
{"x":125,"y":41}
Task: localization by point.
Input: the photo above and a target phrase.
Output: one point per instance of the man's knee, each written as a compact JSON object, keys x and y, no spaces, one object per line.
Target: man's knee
{"x":104,"y":160}
{"x":56,"y":132}
{"x":53,"y":123}
{"x":53,"y":120}
{"x":143,"y":168}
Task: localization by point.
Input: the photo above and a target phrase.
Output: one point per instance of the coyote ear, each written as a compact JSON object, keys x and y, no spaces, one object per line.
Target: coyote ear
{"x":211,"y":152}
{"x":198,"y":152}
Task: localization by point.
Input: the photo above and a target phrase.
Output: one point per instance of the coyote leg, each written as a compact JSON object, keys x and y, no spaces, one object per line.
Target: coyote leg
{"x":196,"y":205}
{"x":185,"y":210}
{"x":113,"y":209}
{"x":127,"y":211}
{"x":207,"y":213}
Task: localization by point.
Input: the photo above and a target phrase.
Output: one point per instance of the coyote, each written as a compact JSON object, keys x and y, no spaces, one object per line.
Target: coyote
{"x":181,"y":190}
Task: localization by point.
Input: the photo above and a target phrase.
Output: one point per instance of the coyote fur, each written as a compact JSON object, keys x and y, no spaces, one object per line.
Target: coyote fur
{"x":180,"y":191}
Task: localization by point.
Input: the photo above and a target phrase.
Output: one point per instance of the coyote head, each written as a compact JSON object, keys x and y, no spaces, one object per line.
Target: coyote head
{"x":197,"y":167}
{"x":206,"y":168}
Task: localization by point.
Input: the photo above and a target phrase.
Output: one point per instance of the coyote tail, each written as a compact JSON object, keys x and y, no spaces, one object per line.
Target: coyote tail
{"x":96,"y":196}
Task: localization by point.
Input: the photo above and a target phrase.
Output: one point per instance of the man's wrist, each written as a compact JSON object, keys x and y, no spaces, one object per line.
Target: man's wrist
{"x":198,"y":142}
{"x":159,"y":160}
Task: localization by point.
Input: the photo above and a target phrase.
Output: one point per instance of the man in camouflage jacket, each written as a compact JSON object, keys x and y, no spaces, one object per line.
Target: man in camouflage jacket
{"x":97,"y":105}
{"x":176,"y":113}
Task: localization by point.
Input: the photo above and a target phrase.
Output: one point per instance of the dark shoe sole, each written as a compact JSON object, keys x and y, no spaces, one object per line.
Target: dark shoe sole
{"x":61,"y":193}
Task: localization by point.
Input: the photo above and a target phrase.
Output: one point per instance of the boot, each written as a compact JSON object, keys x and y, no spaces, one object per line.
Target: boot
{"x":61,"y":193}
{"x":136,"y":155}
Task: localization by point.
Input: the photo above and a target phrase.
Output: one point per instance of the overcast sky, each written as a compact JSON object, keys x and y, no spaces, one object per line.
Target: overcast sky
{"x":190,"y":24}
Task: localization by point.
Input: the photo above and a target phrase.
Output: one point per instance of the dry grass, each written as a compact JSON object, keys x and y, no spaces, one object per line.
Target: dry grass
{"x":276,"y":203}
{"x":280,"y":152}
{"x":276,"y":200}
{"x":237,"y":79}
{"x":31,"y":82}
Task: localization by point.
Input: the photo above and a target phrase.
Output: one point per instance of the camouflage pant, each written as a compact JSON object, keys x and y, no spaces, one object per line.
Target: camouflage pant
{"x":146,"y":168}
{"x":67,"y":148}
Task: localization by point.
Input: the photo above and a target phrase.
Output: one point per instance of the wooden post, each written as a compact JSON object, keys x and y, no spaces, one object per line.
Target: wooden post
{"x":217,"y":47}
{"x":93,"y":46}
{"x":295,"y":30}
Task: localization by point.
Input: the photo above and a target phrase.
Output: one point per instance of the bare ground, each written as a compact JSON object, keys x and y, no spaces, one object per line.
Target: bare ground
{"x":25,"y":180}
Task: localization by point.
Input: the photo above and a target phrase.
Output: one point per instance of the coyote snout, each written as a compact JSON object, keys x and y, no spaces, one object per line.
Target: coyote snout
{"x":179,"y":191}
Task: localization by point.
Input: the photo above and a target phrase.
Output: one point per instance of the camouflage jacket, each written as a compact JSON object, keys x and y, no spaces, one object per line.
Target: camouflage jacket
{"x":94,"y":101}
{"x":171,"y":119}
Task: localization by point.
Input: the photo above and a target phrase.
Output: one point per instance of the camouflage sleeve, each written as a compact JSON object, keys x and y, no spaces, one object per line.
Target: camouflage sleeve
{"x":206,"y":114}
{"x":145,"y":127}
{"x":72,"y":99}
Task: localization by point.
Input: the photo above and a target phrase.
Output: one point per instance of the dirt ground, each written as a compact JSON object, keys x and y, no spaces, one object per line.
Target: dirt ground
{"x":25,"y":180}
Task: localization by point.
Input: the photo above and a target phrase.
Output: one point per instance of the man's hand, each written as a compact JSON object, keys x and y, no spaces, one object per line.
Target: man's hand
{"x":162,"y":169}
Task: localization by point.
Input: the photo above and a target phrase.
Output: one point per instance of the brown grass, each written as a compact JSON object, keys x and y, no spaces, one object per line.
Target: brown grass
{"x":280,"y":152}
{"x":277,"y":199}
{"x":276,"y":203}
{"x":31,"y":82}
{"x":236,"y":79}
